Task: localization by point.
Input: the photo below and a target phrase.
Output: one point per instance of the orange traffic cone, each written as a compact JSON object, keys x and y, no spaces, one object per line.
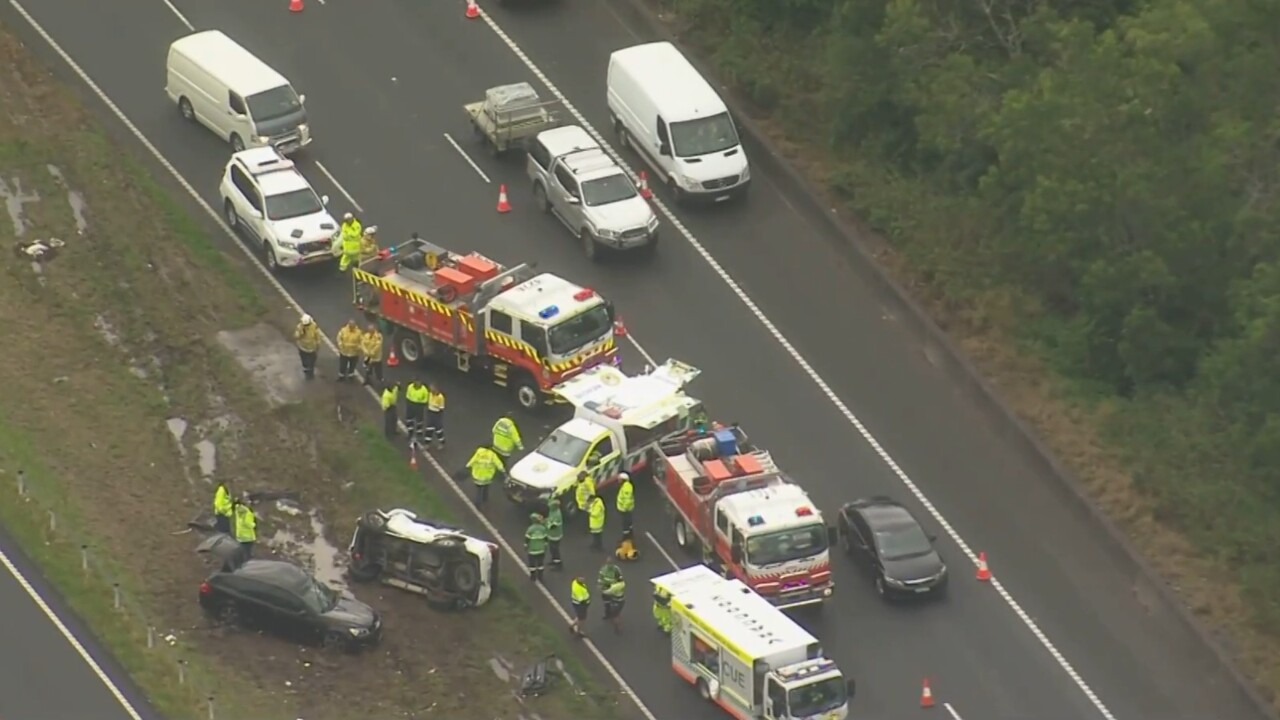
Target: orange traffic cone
{"x":645,"y":192}
{"x":619,"y":329}
{"x":984,"y":572}
{"x":503,"y":205}
{"x":926,"y":695}
{"x":392,"y":360}
{"x":295,"y":5}
{"x":473,"y":10}
{"x":413,"y":458}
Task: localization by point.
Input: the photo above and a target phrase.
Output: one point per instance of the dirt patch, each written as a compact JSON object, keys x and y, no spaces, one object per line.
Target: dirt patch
{"x":142,"y":370}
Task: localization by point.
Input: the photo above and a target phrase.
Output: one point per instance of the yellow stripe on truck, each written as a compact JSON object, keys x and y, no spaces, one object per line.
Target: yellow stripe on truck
{"x":410,"y":295}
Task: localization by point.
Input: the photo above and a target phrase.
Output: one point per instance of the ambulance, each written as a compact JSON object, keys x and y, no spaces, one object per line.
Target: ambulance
{"x":746,"y":655}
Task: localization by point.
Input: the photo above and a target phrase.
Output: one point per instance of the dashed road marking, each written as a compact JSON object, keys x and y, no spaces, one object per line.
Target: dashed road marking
{"x":338,"y":185}
{"x":467,"y":157}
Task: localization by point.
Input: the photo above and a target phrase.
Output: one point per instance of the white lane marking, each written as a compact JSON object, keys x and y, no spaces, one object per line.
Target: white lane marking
{"x":68,"y":636}
{"x":662,"y":550}
{"x":954,"y":715}
{"x":807,"y":368}
{"x":275,"y":284}
{"x":467,"y":157}
{"x":338,"y":185}
{"x":181,"y":17}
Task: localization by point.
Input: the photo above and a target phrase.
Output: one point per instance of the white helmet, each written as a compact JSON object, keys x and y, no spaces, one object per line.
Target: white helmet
{"x":307,"y":320}
{"x":347,"y":217}
{"x":371,"y":230}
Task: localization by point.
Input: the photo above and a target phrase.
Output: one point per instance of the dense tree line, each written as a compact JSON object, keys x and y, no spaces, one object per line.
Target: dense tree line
{"x":1106,"y":173}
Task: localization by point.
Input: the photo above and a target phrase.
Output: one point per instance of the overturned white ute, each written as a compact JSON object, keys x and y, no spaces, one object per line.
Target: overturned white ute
{"x":452,"y":569}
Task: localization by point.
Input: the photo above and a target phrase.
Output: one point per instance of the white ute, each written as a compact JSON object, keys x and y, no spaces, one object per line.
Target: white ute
{"x":264,"y":193}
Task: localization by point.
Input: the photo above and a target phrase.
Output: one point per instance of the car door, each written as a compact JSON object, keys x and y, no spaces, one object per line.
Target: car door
{"x":248,"y":201}
{"x":864,"y":544}
{"x":289,"y":616}
{"x":608,"y":460}
{"x":568,"y":198}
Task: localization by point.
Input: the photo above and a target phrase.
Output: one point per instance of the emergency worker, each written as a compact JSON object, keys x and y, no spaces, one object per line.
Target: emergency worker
{"x":506,"y":437}
{"x":662,"y":609}
{"x":351,"y":239}
{"x":584,"y":491}
{"x":626,"y":501}
{"x":415,"y":408}
{"x":580,"y":598}
{"x":484,"y":464}
{"x":595,"y":522}
{"x":435,"y":416}
{"x":223,"y":508}
{"x":348,"y":350}
{"x":246,"y":532}
{"x":535,"y":545}
{"x":613,"y":590}
{"x":390,"y":396}
{"x":555,"y":532}
{"x":307,"y":337}
{"x":369,"y":243}
{"x":371,"y":349}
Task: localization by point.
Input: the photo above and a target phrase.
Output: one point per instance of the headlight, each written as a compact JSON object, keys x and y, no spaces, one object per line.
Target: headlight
{"x":607,"y":234}
{"x":652,"y":224}
{"x":746,"y":174}
{"x":304,"y":130}
{"x":894,"y":583}
{"x":288,"y":244}
{"x":262,"y":140}
{"x":357,"y":632}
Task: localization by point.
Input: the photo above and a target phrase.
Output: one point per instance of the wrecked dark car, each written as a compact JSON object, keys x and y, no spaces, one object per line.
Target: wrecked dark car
{"x":451,"y":569}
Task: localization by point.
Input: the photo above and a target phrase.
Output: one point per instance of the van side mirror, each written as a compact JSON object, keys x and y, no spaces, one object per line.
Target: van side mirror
{"x":571,"y":200}
{"x":324,"y":199}
{"x":302,"y":99}
{"x":664,"y":150}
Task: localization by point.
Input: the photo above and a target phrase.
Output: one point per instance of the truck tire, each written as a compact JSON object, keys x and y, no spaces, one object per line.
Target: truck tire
{"x":466,"y":578}
{"x":683,"y":535}
{"x":526,"y":391}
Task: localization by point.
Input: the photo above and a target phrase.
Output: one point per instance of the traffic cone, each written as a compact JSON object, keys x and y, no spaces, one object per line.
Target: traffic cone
{"x":645,"y":192}
{"x":503,"y":205}
{"x":619,"y":329}
{"x":392,"y":360}
{"x":473,"y":10}
{"x":984,"y":572}
{"x":413,"y":458}
{"x":295,"y":5}
{"x":926,"y":695}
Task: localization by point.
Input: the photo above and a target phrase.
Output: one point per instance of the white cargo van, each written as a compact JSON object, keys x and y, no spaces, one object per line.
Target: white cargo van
{"x":671,"y":116}
{"x":216,"y":82}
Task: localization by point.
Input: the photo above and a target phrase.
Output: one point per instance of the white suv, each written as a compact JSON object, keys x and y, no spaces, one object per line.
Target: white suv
{"x":264,"y":193}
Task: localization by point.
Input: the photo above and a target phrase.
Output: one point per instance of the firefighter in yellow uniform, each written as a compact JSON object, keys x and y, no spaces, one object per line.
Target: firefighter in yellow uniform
{"x":506,"y":437}
{"x":223,"y":509}
{"x":369,"y":244}
{"x":350,"y":235}
{"x":662,"y":609}
{"x":484,"y":465}
{"x":348,"y":350}
{"x":307,"y":337}
{"x":371,"y":349}
{"x":595,"y":522}
{"x":435,"y":416}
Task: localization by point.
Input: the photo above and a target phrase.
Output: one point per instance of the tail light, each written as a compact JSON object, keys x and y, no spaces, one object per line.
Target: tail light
{"x":205,"y":588}
{"x":356,"y":556}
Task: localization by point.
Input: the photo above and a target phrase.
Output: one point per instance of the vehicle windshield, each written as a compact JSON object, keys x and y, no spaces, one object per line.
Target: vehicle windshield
{"x":274,"y":103}
{"x":586,"y":327}
{"x":786,"y":545}
{"x":564,"y":448}
{"x":298,"y":203}
{"x":319,"y":598}
{"x":902,"y":542}
{"x":817,"y":698}
{"x":606,"y":190}
{"x":703,"y":136}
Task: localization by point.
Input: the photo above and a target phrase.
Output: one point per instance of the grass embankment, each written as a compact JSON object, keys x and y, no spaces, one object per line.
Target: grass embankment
{"x":117,"y":335}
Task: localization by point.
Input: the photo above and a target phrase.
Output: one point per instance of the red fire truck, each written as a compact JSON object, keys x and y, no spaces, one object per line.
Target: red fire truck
{"x":731,"y":503}
{"x":528,"y":331}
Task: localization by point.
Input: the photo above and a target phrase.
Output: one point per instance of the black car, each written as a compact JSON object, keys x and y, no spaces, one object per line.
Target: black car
{"x":890,"y":543}
{"x":284,"y":599}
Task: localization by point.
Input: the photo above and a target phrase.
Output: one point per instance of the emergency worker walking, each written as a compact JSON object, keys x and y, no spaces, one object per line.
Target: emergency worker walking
{"x":613,"y":590}
{"x":484,"y":464}
{"x":415,"y":408}
{"x":307,"y":337}
{"x":246,"y":528}
{"x":662,"y":609}
{"x":555,"y":532}
{"x":390,"y":396}
{"x":371,"y":349}
{"x":351,"y":237}
{"x":223,"y":508}
{"x":435,"y":416}
{"x":535,"y":545}
{"x":595,"y":522}
{"x":348,"y":350}
{"x":626,"y":501}
{"x":580,"y":598}
{"x":506,"y":437}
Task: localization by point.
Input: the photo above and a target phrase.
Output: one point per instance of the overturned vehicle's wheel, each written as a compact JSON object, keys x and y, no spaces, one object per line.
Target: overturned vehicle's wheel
{"x":466,"y":578}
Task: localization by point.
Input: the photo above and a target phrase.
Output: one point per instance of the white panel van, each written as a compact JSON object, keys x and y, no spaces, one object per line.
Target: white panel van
{"x":216,"y":82}
{"x":671,"y":116}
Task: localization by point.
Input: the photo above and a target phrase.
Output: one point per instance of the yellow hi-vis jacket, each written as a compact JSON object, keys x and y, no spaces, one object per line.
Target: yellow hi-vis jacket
{"x":435,"y":401}
{"x":351,"y":234}
{"x":222,"y":501}
{"x":506,"y":436}
{"x":349,"y":341}
{"x":389,"y":397}
{"x":484,"y":464}
{"x":416,"y":393}
{"x":595,"y":519}
{"x":371,"y":345}
{"x":246,"y":524}
{"x":307,"y":337}
{"x":583,"y":492}
{"x":626,"y":496}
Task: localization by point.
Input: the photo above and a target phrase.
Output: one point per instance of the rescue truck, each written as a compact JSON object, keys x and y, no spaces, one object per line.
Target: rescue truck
{"x":732,"y":504}
{"x":527,"y":331}
{"x":745,"y":655}
{"x":618,"y":425}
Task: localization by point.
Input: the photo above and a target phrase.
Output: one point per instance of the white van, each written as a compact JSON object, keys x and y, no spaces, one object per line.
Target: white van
{"x":224,"y":87}
{"x":671,"y":116}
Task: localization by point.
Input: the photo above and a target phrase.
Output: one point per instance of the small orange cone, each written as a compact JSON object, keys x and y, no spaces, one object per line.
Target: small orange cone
{"x":926,"y":695}
{"x":413,"y":458}
{"x":984,"y":572}
{"x":645,"y":192}
{"x":619,"y":329}
{"x":392,"y":360}
{"x":504,"y":206}
{"x":473,"y":10}
{"x":295,"y":5}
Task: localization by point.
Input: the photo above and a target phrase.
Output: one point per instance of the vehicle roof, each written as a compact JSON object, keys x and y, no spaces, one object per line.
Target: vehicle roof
{"x":677,"y":88}
{"x":883,"y":513}
{"x":566,"y":139}
{"x":530,"y":297}
{"x":591,"y":165}
{"x":641,"y":400}
{"x":243,"y":72}
{"x":583,"y":429}
{"x":274,"y":572}
{"x":776,"y":505}
{"x":745,"y":621}
{"x":274,"y":173}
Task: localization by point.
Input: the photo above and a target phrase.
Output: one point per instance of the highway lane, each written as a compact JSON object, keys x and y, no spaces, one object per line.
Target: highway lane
{"x":973,"y":649}
{"x":42,"y":675}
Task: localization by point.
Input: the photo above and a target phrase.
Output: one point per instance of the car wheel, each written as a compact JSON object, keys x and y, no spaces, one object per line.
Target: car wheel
{"x":527,"y":394}
{"x":228,"y":616}
{"x":237,"y":143}
{"x":676,"y":193}
{"x":334,"y":641}
{"x":269,"y":256}
{"x":410,"y":349}
{"x":184,"y":107}
{"x":466,"y":579}
{"x":540,"y":198}
{"x":624,"y":140}
{"x":229,"y":212}
{"x":588,"y":244}
{"x":682,"y":534}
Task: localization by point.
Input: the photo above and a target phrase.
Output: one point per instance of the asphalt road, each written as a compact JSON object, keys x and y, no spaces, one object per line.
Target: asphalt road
{"x":384,"y":82}
{"x":43,"y":675}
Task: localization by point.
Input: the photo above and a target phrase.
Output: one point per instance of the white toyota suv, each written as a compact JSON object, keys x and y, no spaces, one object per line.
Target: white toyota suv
{"x":264,"y":193}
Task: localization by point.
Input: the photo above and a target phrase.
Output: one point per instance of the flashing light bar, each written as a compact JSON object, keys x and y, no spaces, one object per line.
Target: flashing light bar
{"x":755,"y":521}
{"x":549,"y":311}
{"x":804,"y":512}
{"x":584,"y":294}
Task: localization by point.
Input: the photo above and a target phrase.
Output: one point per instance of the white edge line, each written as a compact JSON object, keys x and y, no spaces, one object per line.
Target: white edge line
{"x":444,"y":476}
{"x":955,"y":715}
{"x":467,"y":157}
{"x":332,"y":179}
{"x":181,"y":17}
{"x":665,"y":554}
{"x":809,"y":370}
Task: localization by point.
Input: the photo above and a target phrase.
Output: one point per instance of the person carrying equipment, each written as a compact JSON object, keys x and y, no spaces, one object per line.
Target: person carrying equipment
{"x":555,"y":532}
{"x":307,"y":337}
{"x":246,"y":528}
{"x":371,"y":349}
{"x":351,"y":240}
{"x":662,"y":609}
{"x":484,"y":464}
{"x":435,"y":416}
{"x":416,"y":397}
{"x":613,"y":589}
{"x":223,"y":508}
{"x":506,"y":437}
{"x":584,"y":491}
{"x":535,"y":545}
{"x":348,"y":350}
{"x":580,"y":598}
{"x":390,"y":395}
{"x":626,"y":501}
{"x":595,"y":522}
{"x":369,"y":243}
{"x":626,"y":549}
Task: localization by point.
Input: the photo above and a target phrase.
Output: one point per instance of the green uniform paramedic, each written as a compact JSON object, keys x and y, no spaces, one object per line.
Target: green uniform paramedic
{"x":555,"y":532}
{"x":535,"y":545}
